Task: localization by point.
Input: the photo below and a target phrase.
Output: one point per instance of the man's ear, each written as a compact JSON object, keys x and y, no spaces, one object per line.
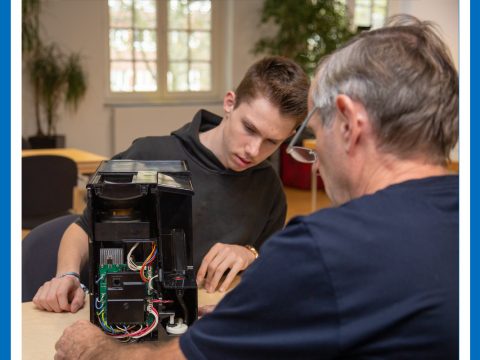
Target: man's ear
{"x":353,"y":118}
{"x":229,"y":102}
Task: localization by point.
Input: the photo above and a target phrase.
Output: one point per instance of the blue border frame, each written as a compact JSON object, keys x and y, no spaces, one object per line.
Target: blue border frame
{"x":5,"y":197}
{"x":474,"y":185}
{"x":5,"y":150}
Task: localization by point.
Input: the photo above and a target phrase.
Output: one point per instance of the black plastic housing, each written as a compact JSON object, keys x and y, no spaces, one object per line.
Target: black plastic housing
{"x":141,"y":204}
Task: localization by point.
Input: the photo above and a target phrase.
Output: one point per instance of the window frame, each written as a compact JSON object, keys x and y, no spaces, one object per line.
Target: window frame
{"x":162,"y":95}
{"x":351,"y":7}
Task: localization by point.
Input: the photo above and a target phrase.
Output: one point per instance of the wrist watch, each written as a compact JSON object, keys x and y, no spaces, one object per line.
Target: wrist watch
{"x":252,"y":250}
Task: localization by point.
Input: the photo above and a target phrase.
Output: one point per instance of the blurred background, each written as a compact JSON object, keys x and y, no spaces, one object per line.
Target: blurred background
{"x":96,"y":74}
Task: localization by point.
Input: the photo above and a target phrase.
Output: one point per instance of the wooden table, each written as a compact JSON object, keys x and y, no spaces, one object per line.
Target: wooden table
{"x":42,"y":329}
{"x":86,"y":161}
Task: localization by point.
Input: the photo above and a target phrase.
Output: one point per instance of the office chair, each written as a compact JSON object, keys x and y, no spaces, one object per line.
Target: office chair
{"x":39,"y":255}
{"x":47,"y":188}
{"x":25,"y":144}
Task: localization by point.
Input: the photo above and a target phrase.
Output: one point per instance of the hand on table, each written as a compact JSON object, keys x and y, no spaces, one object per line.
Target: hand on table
{"x":83,"y":340}
{"x":218,"y":260}
{"x":60,"y":294}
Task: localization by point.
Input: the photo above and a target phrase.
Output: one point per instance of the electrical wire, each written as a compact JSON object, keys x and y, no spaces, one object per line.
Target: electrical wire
{"x":150,"y":286}
{"x":182,"y":304}
{"x":133,"y":266}
{"x":147,"y":261}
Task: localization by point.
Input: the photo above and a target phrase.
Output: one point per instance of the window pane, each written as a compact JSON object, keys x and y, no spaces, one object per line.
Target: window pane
{"x":120,"y":44}
{"x":178,"y":14}
{"x":145,"y":14}
{"x":199,"y":44}
{"x":134,"y":49}
{"x":378,"y":19}
{"x":362,"y":16}
{"x":146,"y":76}
{"x":199,"y":77}
{"x":145,"y":45}
{"x":200,"y":15}
{"x":121,"y":76}
{"x":120,"y":13}
{"x":178,"y":45}
{"x":177,"y":77}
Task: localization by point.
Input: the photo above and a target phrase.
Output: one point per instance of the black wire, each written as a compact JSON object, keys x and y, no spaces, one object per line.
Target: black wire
{"x":182,"y":304}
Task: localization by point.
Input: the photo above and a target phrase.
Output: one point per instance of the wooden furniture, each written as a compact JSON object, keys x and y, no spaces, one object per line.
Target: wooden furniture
{"x":453,"y":167}
{"x":47,"y":187}
{"x":42,"y":329}
{"x":86,"y":161}
{"x":310,"y":144}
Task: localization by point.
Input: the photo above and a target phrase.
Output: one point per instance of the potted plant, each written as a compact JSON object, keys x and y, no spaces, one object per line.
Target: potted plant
{"x":55,"y":77}
{"x":305,"y":30}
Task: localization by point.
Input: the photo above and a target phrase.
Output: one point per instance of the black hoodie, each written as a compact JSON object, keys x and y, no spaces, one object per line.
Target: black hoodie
{"x":228,"y":207}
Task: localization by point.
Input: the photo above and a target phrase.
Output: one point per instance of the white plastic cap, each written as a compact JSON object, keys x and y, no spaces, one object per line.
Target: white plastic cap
{"x":177,"y":329}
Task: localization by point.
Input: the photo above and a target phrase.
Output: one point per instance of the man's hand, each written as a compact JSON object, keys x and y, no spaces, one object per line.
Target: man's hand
{"x":60,"y":294}
{"x":218,"y":260}
{"x":205,"y":309}
{"x":83,"y":340}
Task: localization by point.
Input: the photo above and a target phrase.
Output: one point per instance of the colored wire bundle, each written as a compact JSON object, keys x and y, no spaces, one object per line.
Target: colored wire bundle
{"x":129,"y":331}
{"x":132,"y":332}
{"x":133,"y":266}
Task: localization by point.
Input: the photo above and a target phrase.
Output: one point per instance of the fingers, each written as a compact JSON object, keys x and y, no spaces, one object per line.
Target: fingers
{"x":78,"y":300}
{"x":69,"y":345}
{"x":55,"y":295}
{"x":207,"y":259}
{"x":237,"y":267}
{"x":226,"y":256}
{"x":216,"y":270}
{"x":40,"y":298}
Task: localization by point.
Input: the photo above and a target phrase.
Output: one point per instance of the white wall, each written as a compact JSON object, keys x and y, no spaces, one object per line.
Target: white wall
{"x":79,"y":25}
{"x":442,"y":12}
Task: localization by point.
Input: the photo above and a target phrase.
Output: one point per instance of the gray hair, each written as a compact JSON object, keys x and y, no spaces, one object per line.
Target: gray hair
{"x":404,"y":76}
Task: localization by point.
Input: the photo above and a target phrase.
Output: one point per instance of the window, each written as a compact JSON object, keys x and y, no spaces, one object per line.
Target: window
{"x":163,"y":49}
{"x":368,"y":14}
{"x":133,"y":45}
{"x":189,"y":46}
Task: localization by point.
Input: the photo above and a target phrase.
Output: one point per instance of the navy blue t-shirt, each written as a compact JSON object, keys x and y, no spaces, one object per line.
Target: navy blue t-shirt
{"x":376,"y":278}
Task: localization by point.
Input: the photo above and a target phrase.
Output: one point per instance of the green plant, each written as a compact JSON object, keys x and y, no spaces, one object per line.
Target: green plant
{"x":306,"y":30}
{"x":30,"y":25}
{"x":55,"y":76}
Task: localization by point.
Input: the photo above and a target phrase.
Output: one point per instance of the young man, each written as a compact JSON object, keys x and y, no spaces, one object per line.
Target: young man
{"x":377,"y":276}
{"x":239,"y":200}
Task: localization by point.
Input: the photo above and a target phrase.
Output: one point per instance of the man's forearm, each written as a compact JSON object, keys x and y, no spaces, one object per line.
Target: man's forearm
{"x":73,"y":250}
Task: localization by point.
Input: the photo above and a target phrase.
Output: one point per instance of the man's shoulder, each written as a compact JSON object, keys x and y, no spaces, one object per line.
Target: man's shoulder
{"x":152,"y":148}
{"x":152,"y":140}
{"x":410,"y":207}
